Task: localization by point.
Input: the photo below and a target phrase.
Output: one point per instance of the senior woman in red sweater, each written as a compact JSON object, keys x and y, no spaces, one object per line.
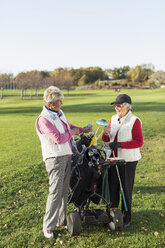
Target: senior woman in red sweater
{"x":125,"y":135}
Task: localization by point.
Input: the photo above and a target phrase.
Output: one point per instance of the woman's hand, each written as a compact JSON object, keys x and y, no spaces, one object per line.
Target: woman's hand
{"x":76,"y":131}
{"x":88,"y":128}
{"x":107,"y":130}
{"x":114,"y":145}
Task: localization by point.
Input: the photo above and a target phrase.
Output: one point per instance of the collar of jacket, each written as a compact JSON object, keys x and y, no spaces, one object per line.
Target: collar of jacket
{"x":124,"y":117}
{"x":58,"y":113}
{"x":53,"y":114}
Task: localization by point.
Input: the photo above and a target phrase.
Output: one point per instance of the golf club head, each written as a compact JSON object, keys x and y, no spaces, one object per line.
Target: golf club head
{"x":102,"y":122}
{"x":90,"y":153}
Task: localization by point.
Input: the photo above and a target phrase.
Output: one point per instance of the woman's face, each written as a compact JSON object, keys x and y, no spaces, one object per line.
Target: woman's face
{"x":55,"y":105}
{"x":121,"y":110}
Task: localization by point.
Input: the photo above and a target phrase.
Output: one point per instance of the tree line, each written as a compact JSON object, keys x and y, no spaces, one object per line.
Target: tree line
{"x":66,"y":78}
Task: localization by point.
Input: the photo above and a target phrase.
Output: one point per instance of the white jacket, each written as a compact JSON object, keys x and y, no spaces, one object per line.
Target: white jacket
{"x":48,"y":147}
{"x":124,"y":134}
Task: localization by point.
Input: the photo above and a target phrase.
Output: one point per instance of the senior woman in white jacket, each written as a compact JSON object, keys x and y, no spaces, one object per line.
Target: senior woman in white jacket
{"x":55,"y":134}
{"x":125,"y":135}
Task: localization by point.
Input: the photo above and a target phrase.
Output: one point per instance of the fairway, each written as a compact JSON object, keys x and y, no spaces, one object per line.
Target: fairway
{"x":24,"y":182}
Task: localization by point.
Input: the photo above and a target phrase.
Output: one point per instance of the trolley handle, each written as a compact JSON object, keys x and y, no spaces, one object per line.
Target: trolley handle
{"x":117,"y":161}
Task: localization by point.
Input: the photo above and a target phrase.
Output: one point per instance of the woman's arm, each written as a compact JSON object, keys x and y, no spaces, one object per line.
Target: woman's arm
{"x":72,"y":127}
{"x":137,"y":137}
{"x":46,"y":127}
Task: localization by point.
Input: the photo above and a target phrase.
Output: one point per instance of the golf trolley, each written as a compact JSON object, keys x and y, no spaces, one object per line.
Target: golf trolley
{"x":86,"y":187}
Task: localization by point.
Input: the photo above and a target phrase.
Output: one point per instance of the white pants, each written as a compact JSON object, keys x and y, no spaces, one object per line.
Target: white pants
{"x":58,"y":169}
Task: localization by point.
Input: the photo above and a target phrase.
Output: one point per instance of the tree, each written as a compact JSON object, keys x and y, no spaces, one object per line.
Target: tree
{"x":157,"y":79}
{"x":82,"y":81}
{"x":5,"y":79}
{"x":31,"y":80}
{"x":77,"y":74}
{"x":22,"y":82}
{"x":67,"y":81}
{"x":46,"y":79}
{"x":123,"y":72}
{"x":92,"y":74}
{"x":108,"y":73}
{"x":140,"y":73}
{"x":49,"y":80}
{"x":120,"y":73}
{"x":64,"y":80}
{"x":57,"y":71}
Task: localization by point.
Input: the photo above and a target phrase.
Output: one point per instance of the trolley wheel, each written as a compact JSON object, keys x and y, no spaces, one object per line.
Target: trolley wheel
{"x":117,"y":219}
{"x":74,"y":223}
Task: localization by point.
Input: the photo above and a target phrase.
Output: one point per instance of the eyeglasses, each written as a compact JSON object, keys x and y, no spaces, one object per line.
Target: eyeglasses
{"x":55,"y":103}
{"x":118,"y":105}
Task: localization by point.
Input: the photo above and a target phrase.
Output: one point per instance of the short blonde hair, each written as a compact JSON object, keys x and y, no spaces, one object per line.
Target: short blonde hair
{"x":52,"y":94}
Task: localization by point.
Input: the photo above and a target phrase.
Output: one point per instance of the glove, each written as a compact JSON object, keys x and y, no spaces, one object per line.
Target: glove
{"x":114,"y":145}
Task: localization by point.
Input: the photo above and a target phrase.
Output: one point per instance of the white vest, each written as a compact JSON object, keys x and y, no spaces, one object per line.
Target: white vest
{"x":124,"y":134}
{"x":48,"y":147}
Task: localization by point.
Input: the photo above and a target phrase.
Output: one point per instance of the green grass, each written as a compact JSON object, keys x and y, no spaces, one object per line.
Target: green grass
{"x":24,"y":182}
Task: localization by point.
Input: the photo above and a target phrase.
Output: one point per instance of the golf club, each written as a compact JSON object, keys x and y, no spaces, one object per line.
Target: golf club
{"x":122,"y":191}
{"x":102,"y":122}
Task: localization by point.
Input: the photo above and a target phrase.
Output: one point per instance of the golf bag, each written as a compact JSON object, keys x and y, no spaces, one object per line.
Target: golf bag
{"x":86,"y":182}
{"x":80,"y":144}
{"x":86,"y":177}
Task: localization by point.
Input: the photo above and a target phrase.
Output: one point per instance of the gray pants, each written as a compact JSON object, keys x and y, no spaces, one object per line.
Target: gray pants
{"x":58,"y":169}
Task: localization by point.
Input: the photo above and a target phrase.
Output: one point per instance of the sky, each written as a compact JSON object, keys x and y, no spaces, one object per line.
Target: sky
{"x":47,"y":34}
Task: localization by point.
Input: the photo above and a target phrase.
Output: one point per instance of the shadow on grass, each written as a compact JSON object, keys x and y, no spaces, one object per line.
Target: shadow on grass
{"x":87,"y":108}
{"x":21,"y":110}
{"x":149,"y":189}
{"x":143,"y":222}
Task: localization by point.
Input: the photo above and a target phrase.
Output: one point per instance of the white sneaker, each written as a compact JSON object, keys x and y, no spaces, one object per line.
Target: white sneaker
{"x":48,"y":234}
